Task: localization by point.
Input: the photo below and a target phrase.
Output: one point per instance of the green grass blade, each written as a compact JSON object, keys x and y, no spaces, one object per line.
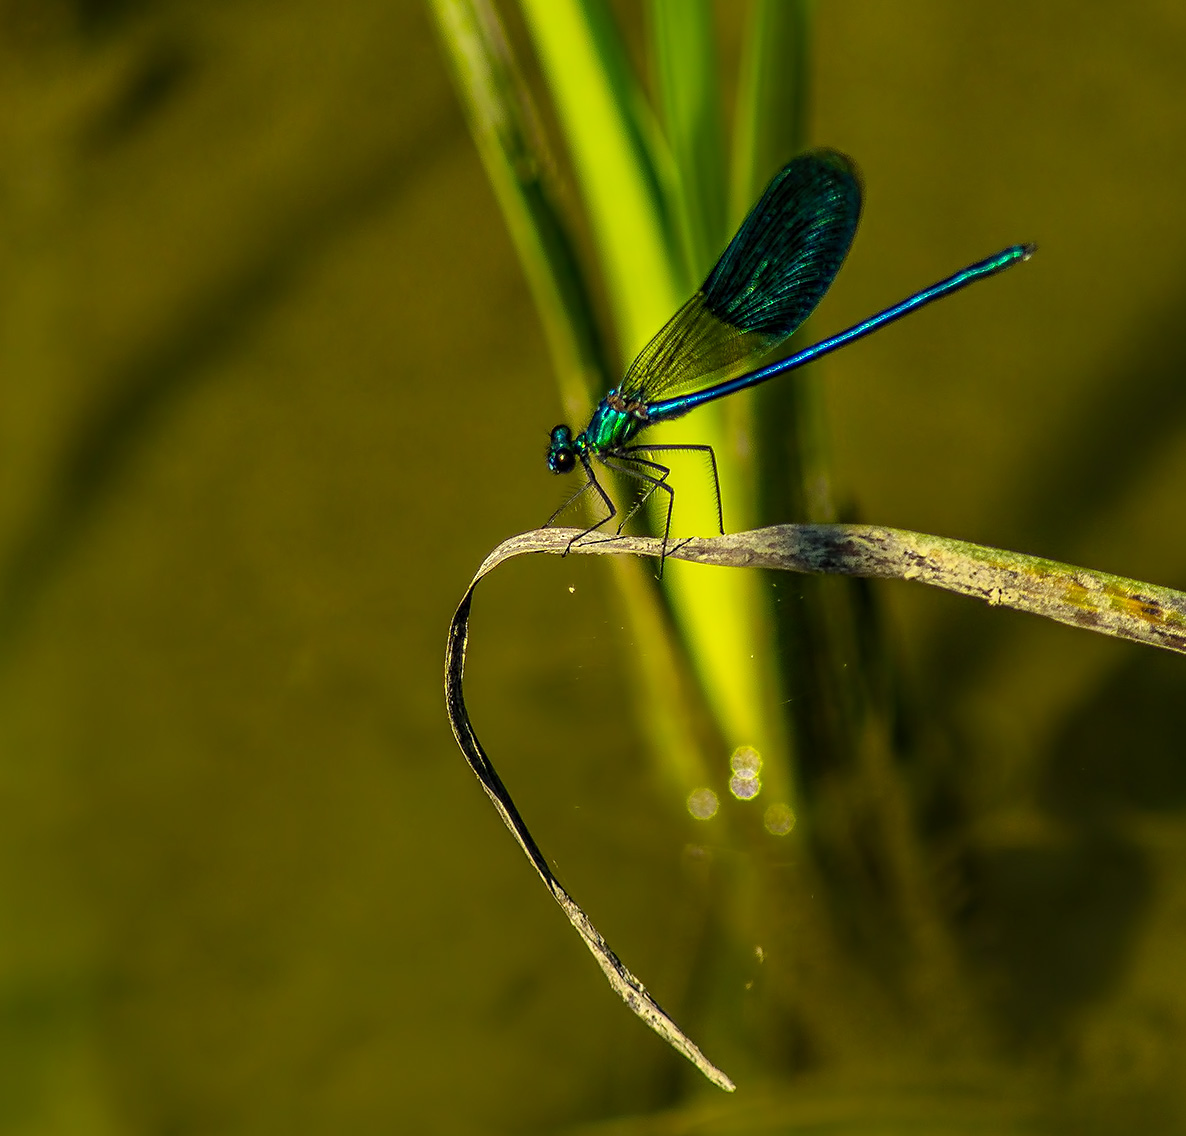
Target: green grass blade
{"x":773,"y":104}
{"x":619,"y":165}
{"x":687,"y":77}
{"x":506,"y":129}
{"x":597,"y":103}
{"x":816,"y":626}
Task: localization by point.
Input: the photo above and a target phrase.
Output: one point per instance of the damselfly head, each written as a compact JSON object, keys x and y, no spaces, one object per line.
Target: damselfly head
{"x":562,"y":451}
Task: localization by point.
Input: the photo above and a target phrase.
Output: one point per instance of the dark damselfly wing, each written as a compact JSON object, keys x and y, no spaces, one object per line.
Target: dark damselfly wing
{"x":766,"y":283}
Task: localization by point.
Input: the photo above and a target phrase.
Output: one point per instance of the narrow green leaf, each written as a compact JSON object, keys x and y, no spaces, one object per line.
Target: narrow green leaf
{"x":510,"y":142}
{"x":687,"y":75}
{"x":600,"y":107}
{"x":505,"y":127}
{"x":818,"y":630}
{"x":770,"y":121}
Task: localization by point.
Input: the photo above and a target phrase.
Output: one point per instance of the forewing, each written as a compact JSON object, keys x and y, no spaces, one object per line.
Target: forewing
{"x":693,"y":345}
{"x":766,"y":283}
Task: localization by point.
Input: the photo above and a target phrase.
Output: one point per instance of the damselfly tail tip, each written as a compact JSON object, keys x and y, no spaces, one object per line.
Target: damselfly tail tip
{"x":1028,"y":250}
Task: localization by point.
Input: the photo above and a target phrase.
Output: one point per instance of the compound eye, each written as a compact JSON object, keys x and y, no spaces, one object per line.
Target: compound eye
{"x":563,"y":461}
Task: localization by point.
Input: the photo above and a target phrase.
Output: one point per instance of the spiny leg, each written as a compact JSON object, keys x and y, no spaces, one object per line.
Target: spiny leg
{"x":569,"y":503}
{"x":592,"y":481}
{"x":652,"y":482}
{"x":630,"y":451}
{"x":619,"y":462}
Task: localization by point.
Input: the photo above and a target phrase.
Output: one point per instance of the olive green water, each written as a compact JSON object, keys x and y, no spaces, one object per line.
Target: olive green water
{"x":272,"y":385}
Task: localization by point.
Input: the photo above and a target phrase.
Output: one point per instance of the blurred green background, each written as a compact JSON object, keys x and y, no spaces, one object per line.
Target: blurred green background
{"x":272,"y":385}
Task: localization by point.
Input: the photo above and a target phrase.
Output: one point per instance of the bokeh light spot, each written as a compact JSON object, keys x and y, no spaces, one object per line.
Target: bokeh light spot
{"x":745,"y":787}
{"x":779,"y":819}
{"x":746,"y":764}
{"x":746,"y":761}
